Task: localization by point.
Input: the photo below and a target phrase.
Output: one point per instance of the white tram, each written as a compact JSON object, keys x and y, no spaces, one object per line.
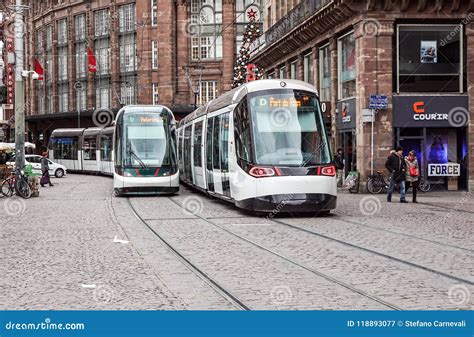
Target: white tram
{"x":83,"y":150}
{"x":262,"y":146}
{"x":145,"y":158}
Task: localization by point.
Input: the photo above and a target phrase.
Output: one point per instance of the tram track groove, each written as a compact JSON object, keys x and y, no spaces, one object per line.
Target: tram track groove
{"x":293,"y":262}
{"x":411,"y":264}
{"x":398,"y":233}
{"x":221,"y":290}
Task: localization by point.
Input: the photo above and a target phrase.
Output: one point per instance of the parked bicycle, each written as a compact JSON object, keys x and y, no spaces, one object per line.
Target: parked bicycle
{"x":17,"y":183}
{"x":378,"y":183}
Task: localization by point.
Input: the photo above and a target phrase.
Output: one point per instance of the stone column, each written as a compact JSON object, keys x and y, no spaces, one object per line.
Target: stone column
{"x":470,"y":91}
{"x":374,"y":50}
{"x":228,"y":45}
{"x":334,"y":89}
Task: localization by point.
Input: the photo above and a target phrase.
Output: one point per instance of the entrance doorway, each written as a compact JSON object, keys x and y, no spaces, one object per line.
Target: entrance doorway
{"x":348,"y":144}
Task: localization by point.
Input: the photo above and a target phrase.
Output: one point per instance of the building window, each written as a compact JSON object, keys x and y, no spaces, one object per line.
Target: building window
{"x":154,"y":54}
{"x":81,"y":60}
{"x":242,"y":8}
{"x":101,"y":22}
{"x":308,"y":68}
{"x":127,"y":18}
{"x":81,"y":95}
{"x":62,"y":63}
{"x":207,"y":91}
{"x":154,"y":13}
{"x":271,"y":75}
{"x":40,"y":101}
{"x":127,"y":53}
{"x":62,"y":32}
{"x":155,"y":94}
{"x":127,"y":90}
{"x":430,"y":58}
{"x":102,"y":94}
{"x":325,"y":74}
{"x":282,"y":72}
{"x":80,"y":27}
{"x":49,"y":37}
{"x":102,"y":56}
{"x":347,"y":66}
{"x":293,"y":70}
{"x":208,"y":42}
{"x":63,"y":90}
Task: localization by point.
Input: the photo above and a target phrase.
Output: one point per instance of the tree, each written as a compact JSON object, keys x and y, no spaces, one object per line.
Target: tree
{"x":244,"y":71}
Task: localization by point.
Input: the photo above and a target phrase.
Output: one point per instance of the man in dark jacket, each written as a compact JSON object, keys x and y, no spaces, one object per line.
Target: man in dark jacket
{"x":396,"y":165}
{"x":339,"y":161}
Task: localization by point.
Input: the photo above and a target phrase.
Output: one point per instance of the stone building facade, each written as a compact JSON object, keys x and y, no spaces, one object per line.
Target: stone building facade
{"x":415,"y":55}
{"x":176,"y":53}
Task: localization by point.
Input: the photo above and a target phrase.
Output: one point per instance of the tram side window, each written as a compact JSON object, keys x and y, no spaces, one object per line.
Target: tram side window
{"x":65,"y":148}
{"x":187,"y":153}
{"x":242,"y":135}
{"x":210,"y":125}
{"x":215,"y":143}
{"x":224,"y":148}
{"x":106,"y":148}
{"x":197,"y":144}
{"x":90,"y":147}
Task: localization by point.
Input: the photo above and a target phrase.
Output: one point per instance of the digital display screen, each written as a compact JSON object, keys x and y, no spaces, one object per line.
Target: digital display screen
{"x":274,"y":102}
{"x":145,"y":119}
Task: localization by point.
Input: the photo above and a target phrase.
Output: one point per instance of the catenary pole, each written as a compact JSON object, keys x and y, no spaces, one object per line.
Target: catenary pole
{"x":19,"y":87}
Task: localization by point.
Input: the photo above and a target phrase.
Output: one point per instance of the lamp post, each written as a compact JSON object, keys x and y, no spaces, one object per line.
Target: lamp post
{"x":19,"y":87}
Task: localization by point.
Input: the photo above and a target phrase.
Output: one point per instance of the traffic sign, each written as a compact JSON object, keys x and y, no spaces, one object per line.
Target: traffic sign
{"x":378,"y":102}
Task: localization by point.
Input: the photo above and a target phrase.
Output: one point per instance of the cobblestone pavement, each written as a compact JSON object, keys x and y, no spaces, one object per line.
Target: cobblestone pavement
{"x":58,"y":252}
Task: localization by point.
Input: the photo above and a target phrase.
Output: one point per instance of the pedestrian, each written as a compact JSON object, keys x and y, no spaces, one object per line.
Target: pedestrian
{"x":339,"y":161}
{"x":3,"y":158}
{"x":396,"y":165}
{"x":412,"y":173}
{"x":45,"y":179}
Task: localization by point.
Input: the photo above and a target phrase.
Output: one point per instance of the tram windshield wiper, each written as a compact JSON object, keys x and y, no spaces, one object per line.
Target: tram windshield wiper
{"x":142,"y":164}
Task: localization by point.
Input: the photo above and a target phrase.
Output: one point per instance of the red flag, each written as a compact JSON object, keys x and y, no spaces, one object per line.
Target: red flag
{"x":92,"y":61}
{"x":39,"y":70}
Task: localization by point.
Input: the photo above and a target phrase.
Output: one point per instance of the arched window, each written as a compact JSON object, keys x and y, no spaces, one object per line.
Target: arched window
{"x":206,"y":39}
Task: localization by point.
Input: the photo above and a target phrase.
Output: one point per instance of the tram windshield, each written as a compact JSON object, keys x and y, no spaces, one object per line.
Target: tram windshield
{"x":287,"y":129}
{"x":147,"y":142}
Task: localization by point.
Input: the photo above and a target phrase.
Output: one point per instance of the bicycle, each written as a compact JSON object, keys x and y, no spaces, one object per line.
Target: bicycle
{"x":17,"y":183}
{"x":377,"y":183}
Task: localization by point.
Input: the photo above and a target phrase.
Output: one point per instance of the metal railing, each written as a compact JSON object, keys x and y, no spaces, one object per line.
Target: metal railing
{"x":302,"y":11}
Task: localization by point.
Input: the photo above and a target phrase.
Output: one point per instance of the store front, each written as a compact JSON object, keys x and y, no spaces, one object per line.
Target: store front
{"x":435,"y":127}
{"x":346,"y":127}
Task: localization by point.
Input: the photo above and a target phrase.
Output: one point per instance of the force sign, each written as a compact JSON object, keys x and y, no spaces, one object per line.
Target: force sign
{"x":444,"y":170}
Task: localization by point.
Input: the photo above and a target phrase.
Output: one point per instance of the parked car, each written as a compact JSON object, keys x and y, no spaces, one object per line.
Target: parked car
{"x":55,"y":169}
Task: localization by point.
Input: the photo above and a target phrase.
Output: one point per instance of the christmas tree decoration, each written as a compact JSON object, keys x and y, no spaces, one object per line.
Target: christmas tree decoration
{"x":244,"y":71}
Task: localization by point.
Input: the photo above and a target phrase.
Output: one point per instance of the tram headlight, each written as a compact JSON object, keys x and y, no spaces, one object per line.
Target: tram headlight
{"x":260,"y":172}
{"x":127,"y":174}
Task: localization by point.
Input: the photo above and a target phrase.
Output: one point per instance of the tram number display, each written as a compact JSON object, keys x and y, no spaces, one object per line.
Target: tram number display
{"x":444,"y":170}
{"x":288,"y":102}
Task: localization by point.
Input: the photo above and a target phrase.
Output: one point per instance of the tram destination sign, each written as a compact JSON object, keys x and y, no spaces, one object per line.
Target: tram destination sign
{"x":444,"y":170}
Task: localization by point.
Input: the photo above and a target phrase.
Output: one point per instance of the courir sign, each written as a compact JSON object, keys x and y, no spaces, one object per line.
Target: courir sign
{"x":430,"y":111}
{"x":444,"y":170}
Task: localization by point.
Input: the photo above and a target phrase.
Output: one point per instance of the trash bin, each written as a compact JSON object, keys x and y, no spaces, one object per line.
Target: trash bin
{"x":33,"y":180}
{"x":452,"y":183}
{"x":352,"y":181}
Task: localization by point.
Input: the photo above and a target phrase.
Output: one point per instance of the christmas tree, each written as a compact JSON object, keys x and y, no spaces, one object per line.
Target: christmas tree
{"x":244,"y":71}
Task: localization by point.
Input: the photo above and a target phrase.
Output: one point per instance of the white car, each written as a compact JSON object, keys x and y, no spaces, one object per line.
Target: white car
{"x":55,"y":169}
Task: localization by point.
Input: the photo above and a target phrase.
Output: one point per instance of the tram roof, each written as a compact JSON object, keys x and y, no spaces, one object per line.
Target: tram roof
{"x":67,"y":132}
{"x":235,"y":95}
